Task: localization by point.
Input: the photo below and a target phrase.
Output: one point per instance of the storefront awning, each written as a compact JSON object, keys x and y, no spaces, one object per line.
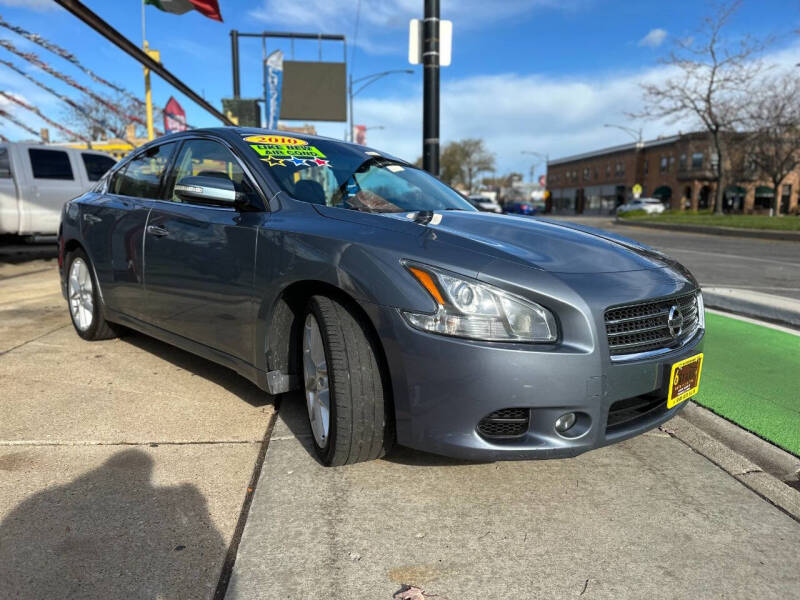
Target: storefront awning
{"x":764,"y":191}
{"x":736,"y":190}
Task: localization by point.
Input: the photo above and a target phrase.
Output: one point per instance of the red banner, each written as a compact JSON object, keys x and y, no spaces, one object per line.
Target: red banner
{"x":174,"y":117}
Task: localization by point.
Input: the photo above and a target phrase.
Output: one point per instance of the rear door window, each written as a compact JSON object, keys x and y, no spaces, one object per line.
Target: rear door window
{"x":141,"y":177}
{"x":50,"y":164}
{"x":96,"y":165}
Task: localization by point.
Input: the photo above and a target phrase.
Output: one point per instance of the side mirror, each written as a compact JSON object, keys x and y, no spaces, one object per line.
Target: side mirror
{"x":206,"y":189}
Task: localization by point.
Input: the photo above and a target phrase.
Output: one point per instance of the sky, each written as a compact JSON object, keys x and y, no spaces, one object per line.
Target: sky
{"x":526,"y":75}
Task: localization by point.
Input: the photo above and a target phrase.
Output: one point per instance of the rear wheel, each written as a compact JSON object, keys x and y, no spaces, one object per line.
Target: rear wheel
{"x":85,"y":306}
{"x":344,"y":390}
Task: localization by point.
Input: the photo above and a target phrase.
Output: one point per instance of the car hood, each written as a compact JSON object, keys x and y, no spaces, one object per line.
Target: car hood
{"x":538,"y":243}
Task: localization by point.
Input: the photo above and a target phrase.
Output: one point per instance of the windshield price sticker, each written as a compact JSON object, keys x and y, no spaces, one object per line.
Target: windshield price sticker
{"x":281,"y":155}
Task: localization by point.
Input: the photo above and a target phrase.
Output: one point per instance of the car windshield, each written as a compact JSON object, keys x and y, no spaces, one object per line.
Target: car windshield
{"x":331,"y":173}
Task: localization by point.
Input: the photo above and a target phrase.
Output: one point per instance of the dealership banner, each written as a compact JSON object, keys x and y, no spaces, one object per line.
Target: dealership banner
{"x":274,"y":84}
{"x":360,"y":134}
{"x":174,"y":117}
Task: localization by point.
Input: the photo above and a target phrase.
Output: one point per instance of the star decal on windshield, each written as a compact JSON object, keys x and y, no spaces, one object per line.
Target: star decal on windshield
{"x":297,"y":161}
{"x":275,"y":162}
{"x":322,"y":163}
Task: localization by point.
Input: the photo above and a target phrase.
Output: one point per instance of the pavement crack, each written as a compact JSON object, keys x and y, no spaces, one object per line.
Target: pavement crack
{"x":152,"y":443}
{"x":38,"y":337}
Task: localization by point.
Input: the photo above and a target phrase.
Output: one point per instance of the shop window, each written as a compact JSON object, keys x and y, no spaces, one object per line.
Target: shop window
{"x":663,"y":164}
{"x":697,"y":160}
{"x":682,"y":163}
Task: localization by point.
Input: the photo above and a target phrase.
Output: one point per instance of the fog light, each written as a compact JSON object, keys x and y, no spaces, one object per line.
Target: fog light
{"x":565,"y":422}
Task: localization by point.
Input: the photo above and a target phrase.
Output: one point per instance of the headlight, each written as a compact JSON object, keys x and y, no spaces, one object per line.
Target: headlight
{"x":701,"y":311}
{"x":469,"y":309}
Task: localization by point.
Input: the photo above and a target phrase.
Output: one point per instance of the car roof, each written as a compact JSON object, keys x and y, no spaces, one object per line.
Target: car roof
{"x":237,"y":133}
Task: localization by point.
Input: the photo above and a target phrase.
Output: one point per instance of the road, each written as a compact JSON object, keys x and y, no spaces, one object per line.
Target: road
{"x":719,"y":261}
{"x":125,"y":464}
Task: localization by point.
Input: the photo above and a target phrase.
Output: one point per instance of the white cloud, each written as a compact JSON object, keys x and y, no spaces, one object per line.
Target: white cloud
{"x":554,"y":115}
{"x":38,"y":5}
{"x":380,"y":22}
{"x":654,"y":38}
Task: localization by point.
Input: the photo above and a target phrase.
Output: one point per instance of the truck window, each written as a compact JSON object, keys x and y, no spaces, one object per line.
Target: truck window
{"x":5,"y":166}
{"x":141,"y":177}
{"x":50,"y":164}
{"x":96,"y":165}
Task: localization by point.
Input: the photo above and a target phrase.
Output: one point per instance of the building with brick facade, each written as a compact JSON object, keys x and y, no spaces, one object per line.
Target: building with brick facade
{"x":677,"y":169}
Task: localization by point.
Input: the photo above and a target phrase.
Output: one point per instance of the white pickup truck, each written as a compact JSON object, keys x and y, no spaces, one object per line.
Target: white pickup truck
{"x":36,"y":180}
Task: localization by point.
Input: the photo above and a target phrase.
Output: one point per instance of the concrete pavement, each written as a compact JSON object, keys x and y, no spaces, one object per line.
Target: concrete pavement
{"x":124,"y":464}
{"x":647,"y":518}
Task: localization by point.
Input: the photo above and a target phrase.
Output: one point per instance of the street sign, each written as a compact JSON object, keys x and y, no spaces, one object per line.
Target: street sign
{"x":415,"y":42}
{"x":637,"y":191}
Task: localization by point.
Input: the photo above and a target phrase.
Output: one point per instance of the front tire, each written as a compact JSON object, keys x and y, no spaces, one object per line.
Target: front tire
{"x":83,"y":298}
{"x":345,"y":392}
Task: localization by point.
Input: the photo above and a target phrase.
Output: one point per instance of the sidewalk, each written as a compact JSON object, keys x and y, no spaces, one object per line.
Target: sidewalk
{"x":778,"y":309}
{"x":646,"y":518}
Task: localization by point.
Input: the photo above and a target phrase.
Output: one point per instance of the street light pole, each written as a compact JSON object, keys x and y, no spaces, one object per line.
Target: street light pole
{"x":634,"y":133}
{"x":370,"y":79}
{"x":430,"y":90}
{"x":540,"y":155}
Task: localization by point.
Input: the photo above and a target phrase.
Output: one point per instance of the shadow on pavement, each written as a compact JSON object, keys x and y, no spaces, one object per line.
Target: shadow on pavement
{"x":110,"y":534}
{"x":222,"y":376}
{"x":15,"y":250}
{"x":292,"y":410}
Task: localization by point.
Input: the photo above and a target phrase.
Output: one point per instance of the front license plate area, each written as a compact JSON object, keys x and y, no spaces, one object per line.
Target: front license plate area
{"x":684,"y":380}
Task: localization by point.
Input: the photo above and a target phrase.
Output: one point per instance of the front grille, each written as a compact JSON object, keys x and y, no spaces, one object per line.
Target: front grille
{"x":631,"y":410}
{"x":644,"y":327}
{"x":505,"y":423}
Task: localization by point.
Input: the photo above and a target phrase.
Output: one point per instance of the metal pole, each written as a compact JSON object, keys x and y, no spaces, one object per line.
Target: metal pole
{"x":350,"y":96}
{"x":79,"y":10}
{"x":430,"y":92}
{"x":235,"y":61}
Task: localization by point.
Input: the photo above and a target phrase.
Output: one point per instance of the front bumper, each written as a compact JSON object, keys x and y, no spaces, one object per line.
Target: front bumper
{"x":443,"y":387}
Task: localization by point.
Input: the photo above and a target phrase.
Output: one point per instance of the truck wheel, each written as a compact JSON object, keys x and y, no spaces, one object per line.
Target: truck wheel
{"x":85,"y":306}
{"x":345,"y":392}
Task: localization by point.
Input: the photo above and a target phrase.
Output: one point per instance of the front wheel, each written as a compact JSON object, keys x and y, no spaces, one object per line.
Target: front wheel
{"x":344,"y":388}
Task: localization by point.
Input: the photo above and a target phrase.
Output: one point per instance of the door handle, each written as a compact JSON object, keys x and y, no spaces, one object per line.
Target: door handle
{"x":157,"y":231}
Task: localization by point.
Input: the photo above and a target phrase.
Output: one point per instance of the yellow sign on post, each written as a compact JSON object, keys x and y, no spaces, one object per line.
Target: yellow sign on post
{"x":148,"y":96}
{"x":637,"y":191}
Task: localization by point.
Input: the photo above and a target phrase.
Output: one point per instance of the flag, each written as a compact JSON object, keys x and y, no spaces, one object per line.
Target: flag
{"x":174,"y":116}
{"x":209,"y":8}
{"x":274,"y":68}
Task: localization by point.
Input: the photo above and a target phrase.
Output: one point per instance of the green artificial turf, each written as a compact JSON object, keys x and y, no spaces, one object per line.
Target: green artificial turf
{"x":783,"y":223}
{"x":751,"y":376}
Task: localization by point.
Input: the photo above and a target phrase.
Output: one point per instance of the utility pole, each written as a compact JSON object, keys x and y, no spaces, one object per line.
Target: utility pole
{"x":430,"y":93}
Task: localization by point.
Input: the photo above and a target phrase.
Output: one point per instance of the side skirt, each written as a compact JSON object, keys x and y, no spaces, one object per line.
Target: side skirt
{"x":246,"y":370}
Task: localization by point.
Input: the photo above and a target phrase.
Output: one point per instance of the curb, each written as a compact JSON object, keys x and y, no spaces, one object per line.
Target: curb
{"x":791,"y":236}
{"x":749,"y":308}
{"x":738,"y":466}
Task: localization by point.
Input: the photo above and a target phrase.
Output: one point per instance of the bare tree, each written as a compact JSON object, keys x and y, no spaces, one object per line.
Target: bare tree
{"x":773,"y":139}
{"x":462,"y":162}
{"x":89,"y":117}
{"x":711,"y":83}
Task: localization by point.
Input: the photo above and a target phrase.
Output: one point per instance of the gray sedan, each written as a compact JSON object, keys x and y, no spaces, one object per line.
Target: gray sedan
{"x":403,"y":314}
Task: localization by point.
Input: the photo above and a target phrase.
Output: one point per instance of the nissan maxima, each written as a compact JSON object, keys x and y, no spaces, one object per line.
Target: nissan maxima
{"x":401,"y":313}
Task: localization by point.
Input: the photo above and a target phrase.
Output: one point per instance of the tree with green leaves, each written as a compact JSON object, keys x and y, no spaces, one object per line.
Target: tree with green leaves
{"x":464,"y":160}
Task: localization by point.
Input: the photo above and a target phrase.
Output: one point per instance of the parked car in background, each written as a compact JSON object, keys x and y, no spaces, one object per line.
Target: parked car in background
{"x":399,"y":311}
{"x":36,"y":180}
{"x":484,"y":204}
{"x":651,"y":206}
{"x":521,"y":208}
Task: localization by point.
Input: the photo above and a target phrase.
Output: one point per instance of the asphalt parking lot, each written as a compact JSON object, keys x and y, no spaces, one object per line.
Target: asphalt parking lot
{"x":125,"y":465}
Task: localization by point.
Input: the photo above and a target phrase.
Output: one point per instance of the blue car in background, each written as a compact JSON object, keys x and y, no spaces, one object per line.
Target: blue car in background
{"x":521,"y":208}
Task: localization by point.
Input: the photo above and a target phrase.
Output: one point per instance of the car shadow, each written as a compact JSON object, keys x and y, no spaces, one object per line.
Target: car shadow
{"x":222,"y":376}
{"x":292,"y":411}
{"x":16,"y":250}
{"x":111,"y":533}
